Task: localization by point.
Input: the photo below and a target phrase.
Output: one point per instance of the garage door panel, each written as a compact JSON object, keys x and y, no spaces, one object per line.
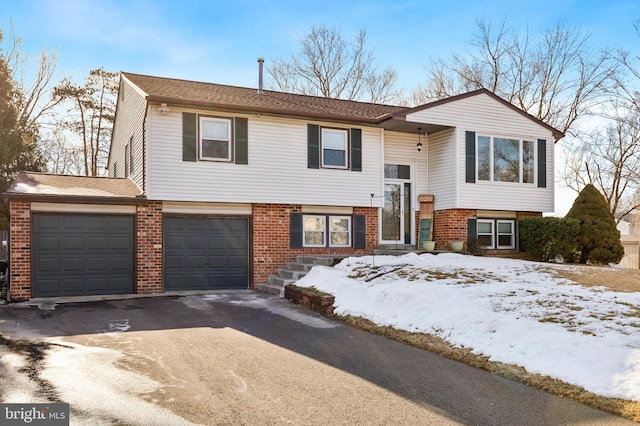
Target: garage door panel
{"x":120,"y":264}
{"x":96,"y":264}
{"x":96,"y":243}
{"x":238,"y":262}
{"x":47,"y":244}
{"x":211,"y":243}
{"x":72,"y":243}
{"x":80,"y":254}
{"x":96,"y":223}
{"x":174,"y":242}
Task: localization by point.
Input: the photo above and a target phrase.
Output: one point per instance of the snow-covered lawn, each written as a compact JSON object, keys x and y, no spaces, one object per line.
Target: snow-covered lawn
{"x":513,"y":311}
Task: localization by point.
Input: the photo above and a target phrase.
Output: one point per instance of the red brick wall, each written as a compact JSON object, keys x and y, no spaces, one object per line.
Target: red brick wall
{"x":20,"y":248}
{"x":450,"y":225}
{"x":271,"y":238}
{"x":149,"y":248}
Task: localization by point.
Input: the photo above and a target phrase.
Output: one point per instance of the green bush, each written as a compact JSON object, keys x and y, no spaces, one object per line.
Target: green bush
{"x":599,"y":237}
{"x":550,"y":238}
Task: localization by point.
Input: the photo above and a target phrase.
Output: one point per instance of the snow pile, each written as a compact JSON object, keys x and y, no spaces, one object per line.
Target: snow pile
{"x":513,"y":311}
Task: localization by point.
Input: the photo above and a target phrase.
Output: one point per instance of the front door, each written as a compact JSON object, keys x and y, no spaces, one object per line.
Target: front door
{"x":396,"y":212}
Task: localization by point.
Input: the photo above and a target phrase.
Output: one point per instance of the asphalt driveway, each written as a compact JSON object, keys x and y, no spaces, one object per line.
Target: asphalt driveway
{"x":248,"y":358}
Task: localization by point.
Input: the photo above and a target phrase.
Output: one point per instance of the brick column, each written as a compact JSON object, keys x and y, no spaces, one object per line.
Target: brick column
{"x":149,"y":248}
{"x":20,"y":249}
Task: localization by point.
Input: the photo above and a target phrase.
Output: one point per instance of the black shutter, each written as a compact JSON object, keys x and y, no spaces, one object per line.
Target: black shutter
{"x":313,"y":146}
{"x":241,"y":141}
{"x":470,"y":153}
{"x":295,"y":230}
{"x":356,"y":150}
{"x":542,"y":163}
{"x":472,"y":232}
{"x":189,"y":136}
{"x":359,"y":231}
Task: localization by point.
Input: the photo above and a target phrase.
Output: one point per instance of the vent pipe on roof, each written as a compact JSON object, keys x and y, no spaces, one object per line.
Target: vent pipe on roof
{"x":260,"y":63}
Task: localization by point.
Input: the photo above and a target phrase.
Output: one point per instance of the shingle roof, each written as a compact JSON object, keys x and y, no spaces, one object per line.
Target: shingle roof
{"x":42,"y":185}
{"x":241,"y":98}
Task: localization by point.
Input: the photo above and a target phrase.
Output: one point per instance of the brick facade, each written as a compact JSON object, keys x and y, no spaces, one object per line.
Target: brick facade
{"x":451,"y":225}
{"x":271,"y":238}
{"x":149,"y":248}
{"x":20,"y":251}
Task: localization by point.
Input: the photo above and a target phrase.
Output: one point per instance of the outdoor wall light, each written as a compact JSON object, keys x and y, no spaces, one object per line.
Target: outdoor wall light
{"x":163,"y":108}
{"x":419,"y":144}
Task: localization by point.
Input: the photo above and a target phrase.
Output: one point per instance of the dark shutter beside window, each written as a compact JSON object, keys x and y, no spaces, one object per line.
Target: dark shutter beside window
{"x":241,"y":141}
{"x":360,"y":231}
{"x":295,"y":230}
{"x":472,"y":232}
{"x":356,"y":150}
{"x":189,"y":136}
{"x":313,"y":146}
{"x":542,"y":163}
{"x":470,"y":154}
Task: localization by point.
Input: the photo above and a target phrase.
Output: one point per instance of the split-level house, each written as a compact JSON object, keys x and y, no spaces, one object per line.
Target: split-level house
{"x":217,"y":187}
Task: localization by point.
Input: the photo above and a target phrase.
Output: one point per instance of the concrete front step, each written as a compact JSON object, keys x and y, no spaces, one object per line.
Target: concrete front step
{"x":293,"y":272}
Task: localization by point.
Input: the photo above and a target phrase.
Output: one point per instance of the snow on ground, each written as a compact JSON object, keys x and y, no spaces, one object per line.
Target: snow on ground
{"x":513,"y":311}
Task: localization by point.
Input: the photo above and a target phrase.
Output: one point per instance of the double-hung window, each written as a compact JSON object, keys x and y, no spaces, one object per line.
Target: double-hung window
{"x":215,"y":139}
{"x":499,"y":233}
{"x":505,"y":160}
{"x":325,"y":230}
{"x":335,"y":144}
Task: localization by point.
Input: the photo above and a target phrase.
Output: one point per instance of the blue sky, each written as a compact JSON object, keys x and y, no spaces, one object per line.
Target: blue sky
{"x":219,"y":41}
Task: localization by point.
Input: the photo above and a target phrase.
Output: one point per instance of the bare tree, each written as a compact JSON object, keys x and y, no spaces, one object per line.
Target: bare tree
{"x":555,"y":77}
{"x":91,"y":115}
{"x":609,"y":158}
{"x":329,"y":66}
{"x":34,"y":77}
{"x":63,"y":155}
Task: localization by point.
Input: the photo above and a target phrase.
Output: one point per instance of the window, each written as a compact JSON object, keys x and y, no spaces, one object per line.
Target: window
{"x":498,"y":233}
{"x":339,"y":231}
{"x":316,"y":228}
{"x":131,"y":155}
{"x":126,"y":160}
{"x":505,"y":160}
{"x":485,"y":233}
{"x":215,"y":139}
{"x":506,"y":234}
{"x":314,"y":231}
{"x":334,"y":148}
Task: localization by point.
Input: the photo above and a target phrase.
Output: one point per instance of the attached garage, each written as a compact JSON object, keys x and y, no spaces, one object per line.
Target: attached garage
{"x":82,"y":254}
{"x":205,"y":253}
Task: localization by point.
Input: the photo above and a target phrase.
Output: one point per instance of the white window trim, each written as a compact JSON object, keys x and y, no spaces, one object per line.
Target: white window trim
{"x":227,"y":121}
{"x":513,"y":236}
{"x":346,"y":148}
{"x":521,"y":158}
{"x":493,"y":232}
{"x":348,"y":232}
{"x":324,"y":230}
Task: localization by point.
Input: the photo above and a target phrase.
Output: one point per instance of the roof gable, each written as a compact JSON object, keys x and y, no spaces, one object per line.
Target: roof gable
{"x":556,"y":133}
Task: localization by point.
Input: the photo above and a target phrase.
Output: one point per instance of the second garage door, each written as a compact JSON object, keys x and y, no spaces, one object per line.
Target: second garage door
{"x":206,"y":253}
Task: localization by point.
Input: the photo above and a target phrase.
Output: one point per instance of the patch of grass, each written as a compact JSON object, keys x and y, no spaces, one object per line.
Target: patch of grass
{"x":621,"y":407}
{"x":311,"y":289}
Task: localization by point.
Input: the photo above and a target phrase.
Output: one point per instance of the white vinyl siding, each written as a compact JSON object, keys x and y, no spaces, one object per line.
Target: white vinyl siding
{"x":400,"y":148}
{"x":487,"y":116}
{"x":441,"y":150}
{"x":128,"y":129}
{"x":277,"y":171}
